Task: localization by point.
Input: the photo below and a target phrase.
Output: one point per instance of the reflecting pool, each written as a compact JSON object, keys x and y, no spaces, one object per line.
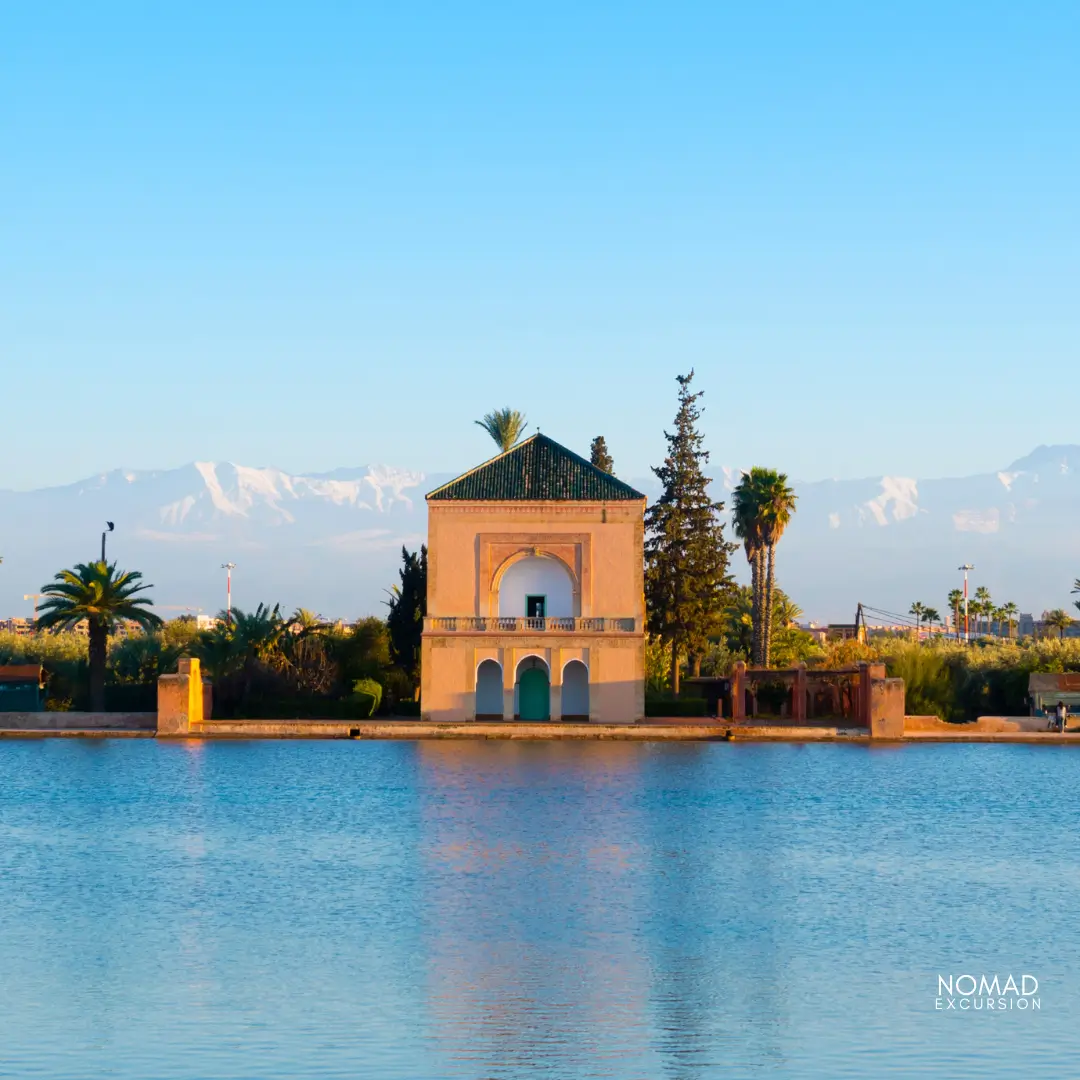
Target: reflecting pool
{"x":501,"y":910}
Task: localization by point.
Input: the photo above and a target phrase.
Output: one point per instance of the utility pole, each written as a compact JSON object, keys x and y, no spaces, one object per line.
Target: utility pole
{"x":966,"y":567}
{"x":109,"y":526}
{"x":228,"y":567}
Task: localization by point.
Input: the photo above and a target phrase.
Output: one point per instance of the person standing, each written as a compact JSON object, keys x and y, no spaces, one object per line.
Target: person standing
{"x":1062,"y":711}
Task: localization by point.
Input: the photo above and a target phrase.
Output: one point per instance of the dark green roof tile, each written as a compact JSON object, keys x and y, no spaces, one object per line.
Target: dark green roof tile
{"x":537,"y":470}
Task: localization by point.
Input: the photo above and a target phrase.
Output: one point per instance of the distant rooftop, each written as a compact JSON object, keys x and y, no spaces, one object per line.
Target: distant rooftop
{"x":536,"y":470}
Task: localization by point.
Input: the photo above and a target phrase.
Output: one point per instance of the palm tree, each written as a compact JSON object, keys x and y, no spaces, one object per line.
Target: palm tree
{"x":217,"y":650}
{"x":505,"y":426}
{"x":739,"y":621}
{"x":1009,"y":613}
{"x":918,"y":609}
{"x":256,"y":639}
{"x":776,"y":504}
{"x":1075,"y":589}
{"x":785,"y":611}
{"x":1058,"y":620}
{"x":305,"y":621}
{"x":931,"y":616}
{"x":102,"y":596}
{"x":986,"y":605}
{"x":956,"y":598}
{"x":746,"y":519}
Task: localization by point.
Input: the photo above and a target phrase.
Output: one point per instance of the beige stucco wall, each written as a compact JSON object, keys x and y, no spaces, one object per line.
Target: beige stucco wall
{"x":616,"y":665}
{"x":600,"y":543}
{"x":471,"y":545}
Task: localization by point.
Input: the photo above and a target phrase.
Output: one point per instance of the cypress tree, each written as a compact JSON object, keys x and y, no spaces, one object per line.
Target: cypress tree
{"x":408,"y":606}
{"x":686,"y":556}
{"x":600,"y":456}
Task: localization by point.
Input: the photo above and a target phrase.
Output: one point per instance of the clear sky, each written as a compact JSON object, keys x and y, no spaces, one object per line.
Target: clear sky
{"x":325,"y":234}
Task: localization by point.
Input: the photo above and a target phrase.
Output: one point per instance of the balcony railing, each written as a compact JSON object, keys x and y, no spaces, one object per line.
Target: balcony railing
{"x":499,"y":624}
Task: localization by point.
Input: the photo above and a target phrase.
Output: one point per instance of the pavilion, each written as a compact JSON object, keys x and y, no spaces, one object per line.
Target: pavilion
{"x":535,"y":601}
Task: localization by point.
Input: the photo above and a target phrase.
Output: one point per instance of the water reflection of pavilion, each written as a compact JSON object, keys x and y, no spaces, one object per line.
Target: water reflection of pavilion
{"x":534,"y":904}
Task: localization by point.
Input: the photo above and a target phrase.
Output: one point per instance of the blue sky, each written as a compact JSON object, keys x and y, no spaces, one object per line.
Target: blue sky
{"x":315,"y":235}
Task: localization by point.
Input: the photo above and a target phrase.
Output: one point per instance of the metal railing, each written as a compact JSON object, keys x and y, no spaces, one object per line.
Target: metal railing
{"x":472,"y":624}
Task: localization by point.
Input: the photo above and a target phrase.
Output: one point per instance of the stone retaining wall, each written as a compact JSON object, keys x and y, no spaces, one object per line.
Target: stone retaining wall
{"x":985,"y":725}
{"x":77,"y":721}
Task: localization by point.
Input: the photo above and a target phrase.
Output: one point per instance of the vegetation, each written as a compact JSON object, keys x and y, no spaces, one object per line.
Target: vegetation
{"x":955,"y":600}
{"x":687,"y":584}
{"x":505,"y":426}
{"x":747,"y":528}
{"x":408,"y":606}
{"x":763,"y":507}
{"x":924,"y":614}
{"x":790,"y":644}
{"x":103,"y":597}
{"x":265,"y":664}
{"x":1058,"y":620}
{"x":599,"y":456}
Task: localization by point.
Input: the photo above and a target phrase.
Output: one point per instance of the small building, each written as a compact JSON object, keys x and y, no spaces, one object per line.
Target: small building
{"x":535,"y":595}
{"x":1047,"y":688}
{"x":21,"y":688}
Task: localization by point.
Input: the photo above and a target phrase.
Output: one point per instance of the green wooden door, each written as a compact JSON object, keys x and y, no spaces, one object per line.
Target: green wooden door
{"x":534,"y":695}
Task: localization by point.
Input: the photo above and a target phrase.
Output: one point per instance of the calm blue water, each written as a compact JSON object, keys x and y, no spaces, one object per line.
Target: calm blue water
{"x":503,"y":910}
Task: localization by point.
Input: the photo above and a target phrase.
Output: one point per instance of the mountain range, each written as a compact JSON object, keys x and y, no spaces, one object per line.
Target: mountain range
{"x":331,"y":541}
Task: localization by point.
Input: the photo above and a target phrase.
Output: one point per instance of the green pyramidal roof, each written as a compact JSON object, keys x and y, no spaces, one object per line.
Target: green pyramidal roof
{"x":537,"y":470}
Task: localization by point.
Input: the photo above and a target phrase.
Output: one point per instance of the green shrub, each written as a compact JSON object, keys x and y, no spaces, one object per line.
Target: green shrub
{"x":367,"y":694}
{"x":299,"y":707}
{"x":930,"y":680}
{"x":959,"y":682}
{"x":670,"y":706}
{"x":406,"y":708}
{"x":397,"y":687}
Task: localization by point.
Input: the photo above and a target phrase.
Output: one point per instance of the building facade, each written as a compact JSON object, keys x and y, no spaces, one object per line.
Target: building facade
{"x":535,"y":593}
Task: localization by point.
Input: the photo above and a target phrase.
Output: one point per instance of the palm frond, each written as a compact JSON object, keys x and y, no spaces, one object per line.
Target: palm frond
{"x":505,"y":426}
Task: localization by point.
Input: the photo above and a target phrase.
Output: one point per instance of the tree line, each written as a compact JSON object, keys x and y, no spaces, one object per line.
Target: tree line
{"x":696,"y":614}
{"x":984,"y":617}
{"x":260,"y":661}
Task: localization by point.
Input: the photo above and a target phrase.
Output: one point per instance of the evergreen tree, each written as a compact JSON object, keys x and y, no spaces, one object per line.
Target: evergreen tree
{"x":686,"y":556}
{"x":600,"y":456}
{"x":408,"y":606}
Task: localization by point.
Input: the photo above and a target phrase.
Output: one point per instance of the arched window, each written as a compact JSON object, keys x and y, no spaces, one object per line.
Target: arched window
{"x":536,"y":586}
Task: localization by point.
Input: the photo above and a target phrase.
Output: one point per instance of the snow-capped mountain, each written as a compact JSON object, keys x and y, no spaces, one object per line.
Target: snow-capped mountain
{"x":327,"y":541}
{"x":895,"y":540}
{"x":331,"y":541}
{"x":888,"y":541}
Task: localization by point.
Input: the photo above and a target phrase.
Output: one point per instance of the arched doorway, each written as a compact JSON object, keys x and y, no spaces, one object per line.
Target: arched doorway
{"x":575,"y":691}
{"x":533,"y":690}
{"x":489,"y":691}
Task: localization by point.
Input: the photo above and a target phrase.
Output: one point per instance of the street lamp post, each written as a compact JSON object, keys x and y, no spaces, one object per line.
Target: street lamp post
{"x":966,"y":567}
{"x":228,"y":567}
{"x":109,"y":526}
